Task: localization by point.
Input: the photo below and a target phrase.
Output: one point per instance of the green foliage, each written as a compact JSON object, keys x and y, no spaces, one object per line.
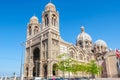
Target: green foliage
{"x":61,"y":62}
{"x":93,"y":68}
{"x":55,"y":66}
{"x":68,"y":64}
{"x":71,"y":65}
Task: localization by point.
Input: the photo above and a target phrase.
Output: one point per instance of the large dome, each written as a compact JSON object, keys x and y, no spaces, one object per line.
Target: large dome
{"x":50,"y":7}
{"x":34,"y":19}
{"x":100,"y":43}
{"x":83,"y":35}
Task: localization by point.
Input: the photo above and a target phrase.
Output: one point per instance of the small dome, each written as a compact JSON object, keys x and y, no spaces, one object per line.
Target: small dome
{"x":34,"y":19}
{"x":83,"y":35}
{"x":49,"y":7}
{"x":100,"y":43}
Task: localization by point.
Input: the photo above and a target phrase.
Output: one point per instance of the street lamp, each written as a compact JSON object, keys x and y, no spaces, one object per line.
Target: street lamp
{"x":21,"y":69}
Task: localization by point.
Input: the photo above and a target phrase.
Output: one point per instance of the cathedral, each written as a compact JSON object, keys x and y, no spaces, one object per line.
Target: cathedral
{"x":44,"y":44}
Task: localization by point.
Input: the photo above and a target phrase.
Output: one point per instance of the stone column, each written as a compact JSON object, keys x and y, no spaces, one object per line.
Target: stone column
{"x":49,"y":68}
{"x":49,"y":54}
{"x":50,"y":19}
{"x":41,"y":57}
{"x":31,"y":65}
{"x":30,"y":76}
{"x":49,"y":44}
{"x":61,"y":73}
{"x":41,"y":69}
{"x":25,"y":71}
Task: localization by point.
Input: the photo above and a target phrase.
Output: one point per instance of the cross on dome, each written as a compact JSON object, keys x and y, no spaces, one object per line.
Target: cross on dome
{"x":82,"y":28}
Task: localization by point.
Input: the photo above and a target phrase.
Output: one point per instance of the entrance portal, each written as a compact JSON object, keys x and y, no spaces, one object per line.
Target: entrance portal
{"x":54,"y":72}
{"x":36,"y":59}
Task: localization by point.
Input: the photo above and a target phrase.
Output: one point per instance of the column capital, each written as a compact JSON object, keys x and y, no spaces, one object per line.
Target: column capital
{"x":41,"y":62}
{"x":41,"y":35}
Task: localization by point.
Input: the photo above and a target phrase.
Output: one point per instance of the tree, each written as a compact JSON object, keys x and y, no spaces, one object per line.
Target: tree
{"x":93,"y":68}
{"x":67,"y":64}
{"x":71,"y":66}
{"x":62,"y":63}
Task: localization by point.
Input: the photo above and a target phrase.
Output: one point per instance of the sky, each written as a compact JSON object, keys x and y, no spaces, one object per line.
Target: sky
{"x":101,"y":19}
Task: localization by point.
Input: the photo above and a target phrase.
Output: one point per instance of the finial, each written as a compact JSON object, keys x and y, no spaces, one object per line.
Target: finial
{"x":82,"y":28}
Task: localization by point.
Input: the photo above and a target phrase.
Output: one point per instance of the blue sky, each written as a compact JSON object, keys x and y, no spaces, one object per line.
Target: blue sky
{"x":101,"y":19}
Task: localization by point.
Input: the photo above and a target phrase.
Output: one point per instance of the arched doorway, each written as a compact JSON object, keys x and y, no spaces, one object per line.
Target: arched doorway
{"x":45,"y":70}
{"x":54,"y":70}
{"x":27,"y":71}
{"x":36,"y":59}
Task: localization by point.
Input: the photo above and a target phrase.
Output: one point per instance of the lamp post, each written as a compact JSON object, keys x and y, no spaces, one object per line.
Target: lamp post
{"x":21,"y":69}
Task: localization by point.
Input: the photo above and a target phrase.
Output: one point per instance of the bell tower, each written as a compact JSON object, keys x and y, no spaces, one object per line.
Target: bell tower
{"x":51,"y":37}
{"x":50,"y":17}
{"x":33,"y":27}
{"x":43,"y":44}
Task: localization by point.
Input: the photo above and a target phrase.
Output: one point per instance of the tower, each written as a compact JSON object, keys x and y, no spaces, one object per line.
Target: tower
{"x":50,"y":18}
{"x":42,"y":45}
{"x":33,"y":27}
{"x":50,"y":40}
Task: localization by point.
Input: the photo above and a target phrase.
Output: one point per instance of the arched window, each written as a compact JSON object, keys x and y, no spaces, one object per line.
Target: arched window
{"x":86,"y":44}
{"x":46,"y":20}
{"x":71,"y":54}
{"x":87,"y":58}
{"x":95,"y":48}
{"x":80,"y":57}
{"x":54,"y":18}
{"x":36,"y":29}
{"x":98,"y":48}
{"x":81,"y":44}
{"x":30,"y":30}
{"x":54,"y":21}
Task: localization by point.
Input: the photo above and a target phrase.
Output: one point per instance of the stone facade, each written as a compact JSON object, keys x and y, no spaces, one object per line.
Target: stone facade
{"x":111,"y":65}
{"x":44,"y":44}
